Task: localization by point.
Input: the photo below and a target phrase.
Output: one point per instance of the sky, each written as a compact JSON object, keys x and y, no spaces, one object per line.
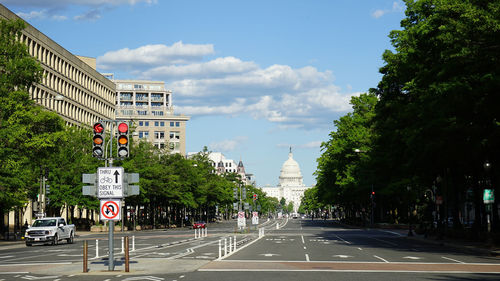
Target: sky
{"x":256,"y":77}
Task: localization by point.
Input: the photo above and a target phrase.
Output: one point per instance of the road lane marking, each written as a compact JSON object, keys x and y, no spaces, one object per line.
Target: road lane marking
{"x":302,"y":236}
{"x":381,"y":259}
{"x":412,"y":258}
{"x":383,"y":241}
{"x":453,"y":260}
{"x":305,"y":248}
{"x":307,"y":257}
{"x":392,"y":232}
{"x":360,"y":249}
{"x":347,"y":242}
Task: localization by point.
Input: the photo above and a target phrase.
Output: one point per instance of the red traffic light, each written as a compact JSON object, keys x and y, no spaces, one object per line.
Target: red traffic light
{"x":123,"y":128}
{"x":373,"y":192}
{"x":98,"y":128}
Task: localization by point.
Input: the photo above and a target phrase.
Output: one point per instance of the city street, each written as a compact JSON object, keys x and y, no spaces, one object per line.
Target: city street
{"x":301,"y":249}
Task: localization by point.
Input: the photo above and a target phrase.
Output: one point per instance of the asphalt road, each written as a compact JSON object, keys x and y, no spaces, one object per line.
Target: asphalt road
{"x":300,"y":249}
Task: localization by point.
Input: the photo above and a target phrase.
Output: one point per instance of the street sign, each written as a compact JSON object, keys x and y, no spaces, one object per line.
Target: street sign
{"x":241,"y":219}
{"x":255,"y":218}
{"x":110,"y":182}
{"x":488,"y":196}
{"x":110,"y":209}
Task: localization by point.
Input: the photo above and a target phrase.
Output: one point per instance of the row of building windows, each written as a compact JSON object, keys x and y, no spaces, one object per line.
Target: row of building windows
{"x":160,"y":135}
{"x":159,"y":123}
{"x":53,"y":61}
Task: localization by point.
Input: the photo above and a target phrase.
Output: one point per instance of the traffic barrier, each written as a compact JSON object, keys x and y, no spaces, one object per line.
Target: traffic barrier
{"x":123,"y":246}
{"x":230,"y":244}
{"x":220,"y":250}
{"x":234,"y":248}
{"x":96,"y":249}
{"x":277,"y":226}
{"x":133,"y":243}
{"x":225,"y":246}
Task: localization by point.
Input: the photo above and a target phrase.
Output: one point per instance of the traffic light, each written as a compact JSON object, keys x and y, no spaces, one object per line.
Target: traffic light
{"x":98,"y":140}
{"x":372,"y":195}
{"x":235,"y":193}
{"x":243,"y":193}
{"x":123,"y":140}
{"x":255,"y":197}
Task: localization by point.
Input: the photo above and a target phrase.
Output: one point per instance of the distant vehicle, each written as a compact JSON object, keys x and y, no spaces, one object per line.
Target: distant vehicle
{"x":295,"y":216}
{"x":49,"y":231}
{"x":199,"y":224}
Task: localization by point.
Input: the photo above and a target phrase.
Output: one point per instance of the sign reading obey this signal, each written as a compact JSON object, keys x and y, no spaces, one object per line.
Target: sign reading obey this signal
{"x":110,"y":210}
{"x":110,"y":182}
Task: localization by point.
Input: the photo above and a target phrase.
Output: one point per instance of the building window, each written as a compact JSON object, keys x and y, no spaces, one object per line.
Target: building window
{"x":143,"y":134}
{"x":159,"y":135}
{"x":157,"y":123}
{"x":162,"y":124}
{"x":171,"y":124}
{"x":177,"y":124}
{"x":142,"y":112}
{"x":174,"y":135}
{"x":146,"y":123}
{"x":141,"y":123}
{"x":156,"y":104}
{"x":157,"y":113}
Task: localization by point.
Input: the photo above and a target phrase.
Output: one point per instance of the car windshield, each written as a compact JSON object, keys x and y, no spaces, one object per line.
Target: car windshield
{"x":38,"y":223}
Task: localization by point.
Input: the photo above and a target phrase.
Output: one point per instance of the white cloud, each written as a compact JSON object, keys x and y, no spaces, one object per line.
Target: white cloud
{"x":290,"y":97}
{"x":42,"y":14}
{"x":91,"y":15}
{"x":216,"y":67}
{"x":228,"y":145}
{"x":65,"y":3}
{"x":154,"y":55}
{"x":396,"y":7}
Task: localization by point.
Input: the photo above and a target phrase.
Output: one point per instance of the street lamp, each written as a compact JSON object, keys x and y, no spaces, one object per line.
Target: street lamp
{"x":372,"y":193}
{"x":410,"y":233}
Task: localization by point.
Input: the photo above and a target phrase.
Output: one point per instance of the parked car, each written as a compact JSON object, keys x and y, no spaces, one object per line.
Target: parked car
{"x":199,"y":224}
{"x":49,"y":231}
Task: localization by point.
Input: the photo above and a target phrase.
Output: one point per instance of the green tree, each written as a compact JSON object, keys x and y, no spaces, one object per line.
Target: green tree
{"x":28,"y":134}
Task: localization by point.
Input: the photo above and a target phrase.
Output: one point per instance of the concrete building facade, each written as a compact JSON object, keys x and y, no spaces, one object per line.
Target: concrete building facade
{"x":87,"y":95}
{"x":149,"y":105}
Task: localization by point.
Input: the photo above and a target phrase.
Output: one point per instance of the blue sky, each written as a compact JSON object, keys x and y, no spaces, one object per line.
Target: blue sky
{"x":256,"y":76}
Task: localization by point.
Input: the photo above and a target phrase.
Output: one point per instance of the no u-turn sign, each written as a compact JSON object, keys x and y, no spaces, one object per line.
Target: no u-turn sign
{"x":110,"y":209}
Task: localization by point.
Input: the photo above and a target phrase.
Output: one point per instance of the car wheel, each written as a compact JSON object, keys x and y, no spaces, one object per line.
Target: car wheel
{"x":29,"y":244}
{"x":70,"y":239}
{"x":56,"y":240}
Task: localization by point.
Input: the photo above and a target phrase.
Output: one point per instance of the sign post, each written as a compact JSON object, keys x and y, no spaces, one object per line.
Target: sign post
{"x":241,"y":220}
{"x":488,"y":199}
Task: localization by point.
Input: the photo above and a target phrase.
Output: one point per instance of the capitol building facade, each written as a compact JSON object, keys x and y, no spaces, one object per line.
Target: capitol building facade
{"x":291,"y":186}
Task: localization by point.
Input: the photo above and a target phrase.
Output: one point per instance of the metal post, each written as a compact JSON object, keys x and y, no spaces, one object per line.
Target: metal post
{"x":133,"y":243}
{"x":225,"y":246}
{"x":123,"y":245}
{"x":85,"y":257}
{"x":127,"y":257}
{"x":96,"y":248}
{"x":230,"y":244}
{"x":220,"y":250}
{"x":235,"y":243}
{"x":111,"y":262}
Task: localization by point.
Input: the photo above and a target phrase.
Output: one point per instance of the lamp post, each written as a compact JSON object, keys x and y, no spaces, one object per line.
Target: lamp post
{"x":488,"y":196}
{"x":372,"y":193}
{"x":410,"y":233}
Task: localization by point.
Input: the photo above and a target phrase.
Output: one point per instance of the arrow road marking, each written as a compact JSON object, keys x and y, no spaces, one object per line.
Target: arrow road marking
{"x":343,"y":256}
{"x":412,"y":258}
{"x":269,"y":255}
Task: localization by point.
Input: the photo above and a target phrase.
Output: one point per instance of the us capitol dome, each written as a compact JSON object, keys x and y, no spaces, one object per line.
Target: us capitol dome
{"x":291,"y":186}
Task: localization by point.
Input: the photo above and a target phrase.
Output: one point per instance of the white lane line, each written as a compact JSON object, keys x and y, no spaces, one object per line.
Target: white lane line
{"x":302,"y":236}
{"x":360,"y":249}
{"x":383,"y":241}
{"x":305,"y":248}
{"x":391,"y":232}
{"x":307,"y":257}
{"x":453,"y":260}
{"x":347,"y":242}
{"x":384,"y":260}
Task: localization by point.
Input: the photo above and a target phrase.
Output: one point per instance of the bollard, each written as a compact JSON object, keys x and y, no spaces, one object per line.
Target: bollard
{"x":85,"y":257}
{"x":225,"y":246}
{"x":220,"y":250}
{"x":127,"y":257}
{"x":234,"y":248}
{"x":230,"y":244}
{"x":96,"y":248}
{"x":277,"y":226}
{"x":133,"y":243}
{"x":123,"y":246}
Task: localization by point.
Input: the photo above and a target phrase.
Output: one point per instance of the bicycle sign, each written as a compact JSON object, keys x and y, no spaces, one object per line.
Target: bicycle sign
{"x":110,"y":210}
{"x":110,"y":182}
